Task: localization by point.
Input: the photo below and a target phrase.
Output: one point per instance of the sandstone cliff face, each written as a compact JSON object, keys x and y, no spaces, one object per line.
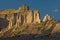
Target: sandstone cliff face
{"x":36,"y":16}
{"x":24,"y":21}
{"x":21,"y":16}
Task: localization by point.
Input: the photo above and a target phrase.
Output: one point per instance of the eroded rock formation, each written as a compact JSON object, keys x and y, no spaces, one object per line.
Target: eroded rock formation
{"x":27,"y":23}
{"x":20,"y":16}
{"x":47,"y":18}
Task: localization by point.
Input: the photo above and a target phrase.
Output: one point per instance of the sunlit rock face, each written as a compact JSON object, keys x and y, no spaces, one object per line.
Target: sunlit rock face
{"x":47,"y":18}
{"x":24,"y":21}
{"x":20,"y":16}
{"x":56,"y":28}
{"x":36,"y":16}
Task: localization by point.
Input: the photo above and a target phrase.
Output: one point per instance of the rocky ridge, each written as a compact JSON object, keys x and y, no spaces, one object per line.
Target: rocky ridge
{"x":27,"y":22}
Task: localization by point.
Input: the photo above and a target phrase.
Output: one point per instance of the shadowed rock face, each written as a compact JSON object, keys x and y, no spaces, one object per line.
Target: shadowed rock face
{"x":3,"y":23}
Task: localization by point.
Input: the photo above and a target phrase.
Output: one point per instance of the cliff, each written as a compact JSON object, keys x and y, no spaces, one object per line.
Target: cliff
{"x":20,"y":16}
{"x":24,"y":23}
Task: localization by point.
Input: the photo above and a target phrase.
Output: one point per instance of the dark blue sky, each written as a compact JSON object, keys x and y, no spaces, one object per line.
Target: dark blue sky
{"x":52,"y":7}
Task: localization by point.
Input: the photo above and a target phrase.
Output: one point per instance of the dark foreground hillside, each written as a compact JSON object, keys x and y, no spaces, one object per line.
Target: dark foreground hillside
{"x":55,"y":36}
